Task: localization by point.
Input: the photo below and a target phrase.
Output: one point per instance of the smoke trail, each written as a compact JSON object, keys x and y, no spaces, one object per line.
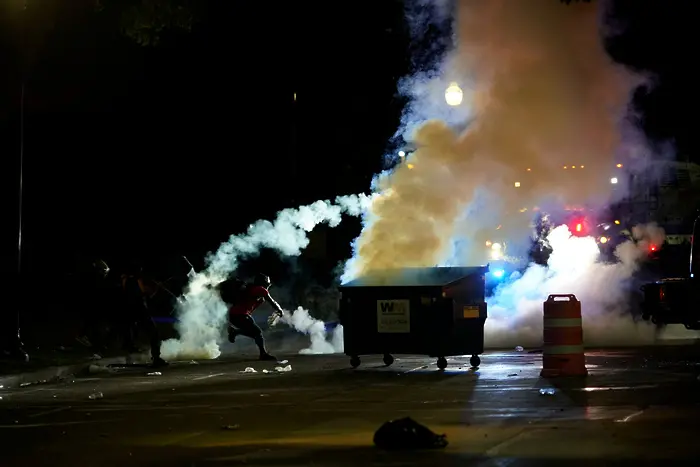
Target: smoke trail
{"x":302,"y":321}
{"x":202,"y":314}
{"x":541,"y":92}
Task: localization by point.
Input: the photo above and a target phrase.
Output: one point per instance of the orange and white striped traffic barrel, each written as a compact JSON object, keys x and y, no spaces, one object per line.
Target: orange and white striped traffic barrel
{"x":562,"y":354}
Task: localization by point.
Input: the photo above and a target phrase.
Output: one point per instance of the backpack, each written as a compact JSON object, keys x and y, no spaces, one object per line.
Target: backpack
{"x":408,"y":434}
{"x":232,"y":291}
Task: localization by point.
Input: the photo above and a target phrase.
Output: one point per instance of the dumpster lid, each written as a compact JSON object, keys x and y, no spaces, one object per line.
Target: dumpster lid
{"x":415,"y":277}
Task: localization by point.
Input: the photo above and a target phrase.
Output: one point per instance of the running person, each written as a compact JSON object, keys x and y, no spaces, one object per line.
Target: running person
{"x":240,"y":317}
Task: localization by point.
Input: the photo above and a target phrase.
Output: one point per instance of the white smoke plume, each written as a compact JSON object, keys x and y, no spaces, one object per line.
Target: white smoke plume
{"x":202,"y":314}
{"x":574,"y":267}
{"x":301,"y":320}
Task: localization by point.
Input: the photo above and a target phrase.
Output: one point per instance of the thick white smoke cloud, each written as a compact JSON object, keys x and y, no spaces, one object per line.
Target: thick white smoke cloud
{"x":574,"y":267}
{"x":202,"y":315}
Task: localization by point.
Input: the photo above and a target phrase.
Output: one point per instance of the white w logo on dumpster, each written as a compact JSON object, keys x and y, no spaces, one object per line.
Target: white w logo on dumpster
{"x":393,"y":316}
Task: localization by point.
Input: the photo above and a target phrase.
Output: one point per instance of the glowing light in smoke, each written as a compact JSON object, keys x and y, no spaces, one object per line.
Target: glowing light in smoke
{"x":402,"y":154}
{"x":617,"y":222}
{"x":517,"y":184}
{"x":454,"y":95}
{"x":619,"y":166}
{"x":498,"y":273}
{"x":603,"y":240}
{"x":613,"y":180}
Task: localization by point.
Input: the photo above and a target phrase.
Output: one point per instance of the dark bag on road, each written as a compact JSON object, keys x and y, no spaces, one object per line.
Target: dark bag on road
{"x":405,"y":434}
{"x":232,"y":291}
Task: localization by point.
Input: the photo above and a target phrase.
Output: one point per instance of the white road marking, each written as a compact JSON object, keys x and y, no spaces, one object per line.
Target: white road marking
{"x":208,"y":376}
{"x":47,"y":412}
{"x":629,"y":417}
{"x":46,"y":425}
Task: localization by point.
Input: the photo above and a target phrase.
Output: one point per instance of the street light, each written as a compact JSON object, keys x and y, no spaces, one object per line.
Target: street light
{"x":613,"y":180}
{"x":454,"y":95}
{"x":402,"y":154}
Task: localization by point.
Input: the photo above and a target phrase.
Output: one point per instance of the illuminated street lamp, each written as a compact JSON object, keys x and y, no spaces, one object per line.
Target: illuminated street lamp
{"x":517,"y":184}
{"x":613,"y":180}
{"x":454,"y":95}
{"x":402,"y":154}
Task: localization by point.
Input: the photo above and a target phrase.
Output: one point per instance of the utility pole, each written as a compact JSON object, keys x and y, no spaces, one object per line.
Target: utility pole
{"x":15,"y":347}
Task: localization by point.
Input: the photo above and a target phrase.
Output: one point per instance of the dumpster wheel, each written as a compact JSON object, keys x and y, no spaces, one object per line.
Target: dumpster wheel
{"x":475,"y":361}
{"x":442,"y":363}
{"x":388,"y":359}
{"x":355,"y":361}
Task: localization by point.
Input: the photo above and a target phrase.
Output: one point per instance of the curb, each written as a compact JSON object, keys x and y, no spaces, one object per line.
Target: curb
{"x":53,"y":373}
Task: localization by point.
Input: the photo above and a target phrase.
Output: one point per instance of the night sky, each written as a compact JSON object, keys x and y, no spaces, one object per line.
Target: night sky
{"x":173,"y":148}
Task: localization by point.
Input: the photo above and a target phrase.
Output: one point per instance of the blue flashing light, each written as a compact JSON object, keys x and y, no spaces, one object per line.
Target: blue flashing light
{"x":498,"y":273}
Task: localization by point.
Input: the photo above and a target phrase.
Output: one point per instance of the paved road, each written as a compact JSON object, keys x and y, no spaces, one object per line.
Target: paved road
{"x":637,"y":407}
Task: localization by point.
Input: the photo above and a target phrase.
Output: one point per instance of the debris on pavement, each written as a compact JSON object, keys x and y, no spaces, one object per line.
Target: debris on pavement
{"x":249,"y":369}
{"x":95,"y":396}
{"x":154,"y":373}
{"x":281,"y":369}
{"x":267,"y":371}
{"x":513,"y":374}
{"x":283,"y":362}
{"x":547,"y":391}
{"x":406,"y":434}
{"x":230,"y":427}
{"x":92,"y":369}
{"x":24,"y":385}
{"x":519,"y":348}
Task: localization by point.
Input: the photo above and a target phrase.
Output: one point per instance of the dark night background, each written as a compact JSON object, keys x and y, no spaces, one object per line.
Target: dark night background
{"x":172,"y":148}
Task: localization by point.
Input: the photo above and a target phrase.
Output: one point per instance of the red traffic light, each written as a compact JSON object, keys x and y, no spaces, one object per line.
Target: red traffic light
{"x":578,"y":227}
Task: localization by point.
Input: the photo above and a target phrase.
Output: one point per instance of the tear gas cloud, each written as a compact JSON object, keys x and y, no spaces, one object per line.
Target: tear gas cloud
{"x":201,"y":313}
{"x":515,"y":310}
{"x":542,"y":93}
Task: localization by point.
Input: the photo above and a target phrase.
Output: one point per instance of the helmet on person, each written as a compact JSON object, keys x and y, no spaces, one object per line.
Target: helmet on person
{"x":262,"y":280}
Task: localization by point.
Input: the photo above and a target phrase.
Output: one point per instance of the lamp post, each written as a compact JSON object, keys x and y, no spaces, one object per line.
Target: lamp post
{"x":14,"y":342}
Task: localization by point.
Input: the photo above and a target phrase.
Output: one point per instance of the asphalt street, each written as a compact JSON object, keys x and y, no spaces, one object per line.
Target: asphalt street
{"x":637,"y":407}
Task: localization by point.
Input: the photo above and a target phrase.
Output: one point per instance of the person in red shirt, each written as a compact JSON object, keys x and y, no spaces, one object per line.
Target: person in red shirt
{"x":240,"y":317}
